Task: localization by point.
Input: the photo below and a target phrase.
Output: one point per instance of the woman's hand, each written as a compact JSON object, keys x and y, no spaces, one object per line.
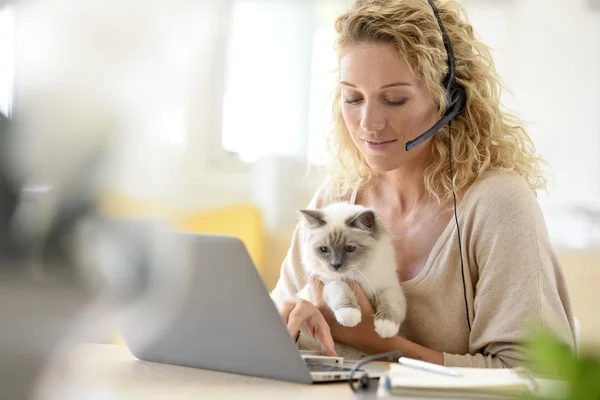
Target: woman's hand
{"x":301,"y":315}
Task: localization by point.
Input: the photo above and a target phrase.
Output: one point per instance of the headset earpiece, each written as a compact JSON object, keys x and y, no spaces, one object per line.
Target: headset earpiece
{"x":457,"y":99}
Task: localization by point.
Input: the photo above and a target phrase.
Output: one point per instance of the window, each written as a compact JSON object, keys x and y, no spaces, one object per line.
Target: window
{"x":265,"y":109}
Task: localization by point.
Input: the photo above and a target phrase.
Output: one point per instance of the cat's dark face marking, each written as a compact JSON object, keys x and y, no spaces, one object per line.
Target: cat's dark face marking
{"x":341,"y":245}
{"x":339,"y":249}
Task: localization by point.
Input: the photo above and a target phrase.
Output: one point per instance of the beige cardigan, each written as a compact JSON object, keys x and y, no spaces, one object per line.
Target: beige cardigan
{"x":514,"y":281}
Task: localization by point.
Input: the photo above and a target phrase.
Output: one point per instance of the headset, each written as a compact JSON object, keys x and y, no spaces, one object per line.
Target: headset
{"x":456,"y":96}
{"x":456,"y":99}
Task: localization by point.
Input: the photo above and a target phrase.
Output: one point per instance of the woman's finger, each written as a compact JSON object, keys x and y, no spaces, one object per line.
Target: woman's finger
{"x":314,"y":280}
{"x":298,"y":316}
{"x":316,"y":290}
{"x":286,"y":309}
{"x":323,"y":335}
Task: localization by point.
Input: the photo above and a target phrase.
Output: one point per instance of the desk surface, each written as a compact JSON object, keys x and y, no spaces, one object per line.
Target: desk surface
{"x":111,"y":372}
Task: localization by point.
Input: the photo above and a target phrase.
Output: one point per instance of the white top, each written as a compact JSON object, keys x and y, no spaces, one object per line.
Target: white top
{"x":354,"y":194}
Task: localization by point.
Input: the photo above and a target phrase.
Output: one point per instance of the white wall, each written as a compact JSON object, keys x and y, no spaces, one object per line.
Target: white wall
{"x":555,"y":60}
{"x":548,"y":53}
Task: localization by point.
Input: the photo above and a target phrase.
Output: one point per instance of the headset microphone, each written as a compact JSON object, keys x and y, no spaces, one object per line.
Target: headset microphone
{"x":451,"y":112}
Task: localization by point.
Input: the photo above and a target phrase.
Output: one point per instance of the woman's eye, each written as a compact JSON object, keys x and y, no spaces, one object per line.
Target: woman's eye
{"x":352,"y":100}
{"x":349,"y":249}
{"x":325,"y":249}
{"x":396,"y":103}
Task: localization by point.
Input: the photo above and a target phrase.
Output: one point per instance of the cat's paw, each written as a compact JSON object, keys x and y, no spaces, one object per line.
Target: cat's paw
{"x":386,"y":327}
{"x":348,"y":316}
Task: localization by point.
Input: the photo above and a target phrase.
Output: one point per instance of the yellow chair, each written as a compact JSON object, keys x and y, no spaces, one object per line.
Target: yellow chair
{"x":116,"y":204}
{"x":242,"y":221}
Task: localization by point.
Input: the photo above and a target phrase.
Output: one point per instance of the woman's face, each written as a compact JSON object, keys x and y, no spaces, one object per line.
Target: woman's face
{"x":384,"y":105}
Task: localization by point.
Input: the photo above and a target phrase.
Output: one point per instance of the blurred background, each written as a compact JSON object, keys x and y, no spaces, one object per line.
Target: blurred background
{"x":211,"y":115}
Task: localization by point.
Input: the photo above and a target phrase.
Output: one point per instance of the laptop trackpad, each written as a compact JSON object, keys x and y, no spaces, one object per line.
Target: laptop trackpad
{"x":375,"y":369}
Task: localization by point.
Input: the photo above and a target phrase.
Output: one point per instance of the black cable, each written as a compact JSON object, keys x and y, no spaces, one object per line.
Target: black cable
{"x":363,"y":381}
{"x":462,"y":267}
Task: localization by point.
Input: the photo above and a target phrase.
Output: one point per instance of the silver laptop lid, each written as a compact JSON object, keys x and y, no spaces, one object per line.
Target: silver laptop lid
{"x":206,"y":306}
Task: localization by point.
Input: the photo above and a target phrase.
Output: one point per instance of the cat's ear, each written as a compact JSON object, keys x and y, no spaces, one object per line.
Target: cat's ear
{"x":364,"y":220}
{"x":314,"y":217}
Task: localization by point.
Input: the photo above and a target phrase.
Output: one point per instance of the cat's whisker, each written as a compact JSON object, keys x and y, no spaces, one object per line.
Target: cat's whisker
{"x":306,"y":275}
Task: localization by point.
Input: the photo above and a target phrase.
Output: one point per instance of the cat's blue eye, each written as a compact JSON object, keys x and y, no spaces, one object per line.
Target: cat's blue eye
{"x":349,"y":249}
{"x":325,"y":249}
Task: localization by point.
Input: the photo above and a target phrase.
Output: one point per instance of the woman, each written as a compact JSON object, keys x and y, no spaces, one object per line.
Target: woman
{"x":392,"y":67}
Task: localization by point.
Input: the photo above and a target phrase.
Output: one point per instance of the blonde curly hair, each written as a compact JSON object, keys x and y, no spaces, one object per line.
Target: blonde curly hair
{"x":484,"y":136}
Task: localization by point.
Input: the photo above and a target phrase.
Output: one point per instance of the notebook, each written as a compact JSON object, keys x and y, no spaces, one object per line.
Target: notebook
{"x":474,"y":383}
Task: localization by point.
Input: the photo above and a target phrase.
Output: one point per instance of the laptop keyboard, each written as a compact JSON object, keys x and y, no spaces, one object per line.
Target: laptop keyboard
{"x":316,"y":366}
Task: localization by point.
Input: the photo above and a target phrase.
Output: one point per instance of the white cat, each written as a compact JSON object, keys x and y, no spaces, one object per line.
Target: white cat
{"x":342,"y":243}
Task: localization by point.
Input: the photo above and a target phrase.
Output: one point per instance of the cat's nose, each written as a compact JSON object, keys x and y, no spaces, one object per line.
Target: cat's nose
{"x":336,"y":266}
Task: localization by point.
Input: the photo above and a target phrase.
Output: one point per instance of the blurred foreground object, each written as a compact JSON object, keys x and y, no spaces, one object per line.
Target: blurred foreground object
{"x":100,"y":103}
{"x":35,"y":314}
{"x":581,"y":373}
{"x":65,"y":269}
{"x":8,"y":192}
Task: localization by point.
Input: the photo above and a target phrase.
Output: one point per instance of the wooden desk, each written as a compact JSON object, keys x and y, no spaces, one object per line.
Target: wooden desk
{"x":97,"y":371}
{"x":110,"y":372}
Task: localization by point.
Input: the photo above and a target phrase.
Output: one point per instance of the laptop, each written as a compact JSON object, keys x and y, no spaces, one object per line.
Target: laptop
{"x":207,"y":307}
